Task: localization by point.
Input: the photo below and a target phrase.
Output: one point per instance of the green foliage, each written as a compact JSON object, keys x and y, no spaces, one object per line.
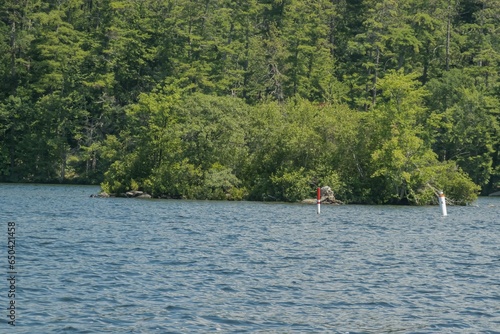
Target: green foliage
{"x":404,"y":163}
{"x":457,"y":185}
{"x":464,"y":125}
{"x":290,"y":186}
{"x":220,"y":183}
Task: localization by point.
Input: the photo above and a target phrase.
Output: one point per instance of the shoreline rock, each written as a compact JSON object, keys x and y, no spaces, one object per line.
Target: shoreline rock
{"x":327,"y":197}
{"x":323,"y":201}
{"x":102,"y":194}
{"x":128,"y":194}
{"x":134,"y":193}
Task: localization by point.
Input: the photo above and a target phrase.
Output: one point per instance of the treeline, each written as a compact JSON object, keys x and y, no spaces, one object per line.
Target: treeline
{"x":385,"y":101}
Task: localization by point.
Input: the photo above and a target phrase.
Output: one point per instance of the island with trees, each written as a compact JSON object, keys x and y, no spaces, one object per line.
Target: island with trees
{"x":384,"y":101}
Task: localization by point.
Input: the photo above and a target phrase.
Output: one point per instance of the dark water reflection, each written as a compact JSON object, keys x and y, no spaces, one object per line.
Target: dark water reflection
{"x":88,"y":265}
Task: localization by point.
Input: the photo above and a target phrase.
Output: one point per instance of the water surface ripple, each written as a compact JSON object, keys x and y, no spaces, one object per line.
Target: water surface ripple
{"x":89,"y":265}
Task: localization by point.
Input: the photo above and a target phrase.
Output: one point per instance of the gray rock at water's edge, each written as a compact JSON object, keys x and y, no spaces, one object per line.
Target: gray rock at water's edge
{"x":101,"y":195}
{"x":309,"y":201}
{"x":137,"y":194}
{"x":327,"y":197}
{"x":134,"y":193}
{"x":327,"y":192}
{"x":497,"y":193}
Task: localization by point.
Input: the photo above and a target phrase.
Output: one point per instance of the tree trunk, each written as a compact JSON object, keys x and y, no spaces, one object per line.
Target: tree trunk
{"x":375,"y":77}
{"x":448,"y":37}
{"x":62,"y":175}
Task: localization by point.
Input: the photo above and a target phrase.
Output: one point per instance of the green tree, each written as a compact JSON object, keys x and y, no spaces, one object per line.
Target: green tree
{"x":290,"y":150}
{"x":463,"y":124}
{"x":309,"y":65}
{"x":404,"y":163}
{"x":387,"y":41}
{"x":59,"y":52}
{"x":429,"y":21}
{"x":482,"y":44}
{"x":190,"y":146}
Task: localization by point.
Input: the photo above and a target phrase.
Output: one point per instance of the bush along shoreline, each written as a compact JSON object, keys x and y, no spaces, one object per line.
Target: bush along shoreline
{"x":204,"y":147}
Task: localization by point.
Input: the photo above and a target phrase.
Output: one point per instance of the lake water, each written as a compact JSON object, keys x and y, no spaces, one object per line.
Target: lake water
{"x":95,"y":265}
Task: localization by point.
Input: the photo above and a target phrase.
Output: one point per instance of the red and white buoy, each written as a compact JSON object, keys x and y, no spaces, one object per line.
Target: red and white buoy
{"x":318,"y":201}
{"x":442,"y":203}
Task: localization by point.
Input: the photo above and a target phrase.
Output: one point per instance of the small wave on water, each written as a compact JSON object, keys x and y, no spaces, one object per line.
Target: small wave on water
{"x":92,"y":265}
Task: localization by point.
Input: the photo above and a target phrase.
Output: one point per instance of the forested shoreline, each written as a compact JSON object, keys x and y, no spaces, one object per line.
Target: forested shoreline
{"x":385,"y":101}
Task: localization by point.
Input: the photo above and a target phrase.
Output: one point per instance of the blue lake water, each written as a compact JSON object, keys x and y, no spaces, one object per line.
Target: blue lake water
{"x":94,"y":265}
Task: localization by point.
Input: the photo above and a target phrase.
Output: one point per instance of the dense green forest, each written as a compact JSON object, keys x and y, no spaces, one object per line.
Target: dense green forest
{"x":385,"y":101}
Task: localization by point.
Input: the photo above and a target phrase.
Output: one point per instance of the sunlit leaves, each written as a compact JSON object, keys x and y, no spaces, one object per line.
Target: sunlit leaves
{"x":463,"y":124}
{"x":404,"y":161}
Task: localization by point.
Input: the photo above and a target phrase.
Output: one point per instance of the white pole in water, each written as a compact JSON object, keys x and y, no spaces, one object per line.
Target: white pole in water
{"x":318,"y":201}
{"x":442,"y":203}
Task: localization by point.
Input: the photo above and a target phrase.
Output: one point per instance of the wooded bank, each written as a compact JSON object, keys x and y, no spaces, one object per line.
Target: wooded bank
{"x":384,"y":101}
